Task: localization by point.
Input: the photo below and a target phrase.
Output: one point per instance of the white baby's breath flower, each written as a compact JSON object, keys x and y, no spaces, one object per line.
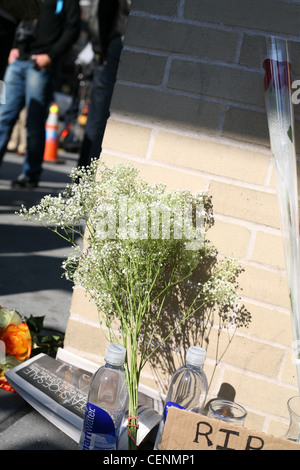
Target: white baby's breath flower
{"x":142,"y":242}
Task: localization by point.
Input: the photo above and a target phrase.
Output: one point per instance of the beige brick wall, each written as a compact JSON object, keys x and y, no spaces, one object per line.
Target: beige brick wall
{"x":188,"y":111}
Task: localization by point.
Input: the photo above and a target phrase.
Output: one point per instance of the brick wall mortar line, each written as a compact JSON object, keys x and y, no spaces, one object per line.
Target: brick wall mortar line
{"x":260,"y":303}
{"x":85,"y":321}
{"x":266,"y":342}
{"x":281,"y":367}
{"x":92,"y":357}
{"x":186,"y":94}
{"x":239,"y":48}
{"x":239,"y":183}
{"x":263,"y":266}
{"x":269,"y":172}
{"x":224,"y":367}
{"x":167,"y":71}
{"x":212,"y":177}
{"x":236,"y":182}
{"x":151,"y":142}
{"x":180,"y":9}
{"x":174,"y":92}
{"x":145,"y":50}
{"x":251,"y":245}
{"x":196,"y":59}
{"x":248,"y":224}
{"x":222,"y":118}
{"x":217,"y":26}
{"x":190,"y":133}
{"x":258,"y":376}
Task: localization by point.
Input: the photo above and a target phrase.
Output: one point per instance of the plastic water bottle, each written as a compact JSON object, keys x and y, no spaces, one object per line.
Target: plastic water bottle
{"x":188,"y":387}
{"x":106,"y":404}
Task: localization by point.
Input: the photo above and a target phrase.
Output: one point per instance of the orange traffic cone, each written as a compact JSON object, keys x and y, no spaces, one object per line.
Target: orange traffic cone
{"x":51,"y":144}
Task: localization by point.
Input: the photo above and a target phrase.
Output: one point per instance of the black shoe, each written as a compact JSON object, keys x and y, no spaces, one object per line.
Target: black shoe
{"x":24,"y":181}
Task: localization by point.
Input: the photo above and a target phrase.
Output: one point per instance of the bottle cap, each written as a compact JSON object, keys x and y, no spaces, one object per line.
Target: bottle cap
{"x":195,"y":356}
{"x":115,"y":354}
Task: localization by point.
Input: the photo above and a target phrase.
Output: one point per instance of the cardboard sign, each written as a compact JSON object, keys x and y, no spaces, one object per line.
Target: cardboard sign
{"x":185,"y":430}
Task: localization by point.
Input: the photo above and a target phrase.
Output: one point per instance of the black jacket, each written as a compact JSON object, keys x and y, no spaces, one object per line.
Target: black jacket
{"x":55,"y":31}
{"x":112,"y":19}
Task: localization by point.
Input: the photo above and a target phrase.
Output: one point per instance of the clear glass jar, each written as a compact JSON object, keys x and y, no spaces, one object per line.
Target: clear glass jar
{"x":228,"y":411}
{"x":293,"y":432}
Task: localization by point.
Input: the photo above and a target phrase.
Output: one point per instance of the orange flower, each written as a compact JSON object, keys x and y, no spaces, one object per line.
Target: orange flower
{"x":5,"y":385}
{"x":17,"y":341}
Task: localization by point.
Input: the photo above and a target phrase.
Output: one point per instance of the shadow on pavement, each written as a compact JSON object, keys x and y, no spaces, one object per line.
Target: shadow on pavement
{"x":30,"y":255}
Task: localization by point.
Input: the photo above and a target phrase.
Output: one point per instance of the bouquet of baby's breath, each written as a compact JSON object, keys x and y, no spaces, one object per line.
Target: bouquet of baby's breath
{"x":141,"y":243}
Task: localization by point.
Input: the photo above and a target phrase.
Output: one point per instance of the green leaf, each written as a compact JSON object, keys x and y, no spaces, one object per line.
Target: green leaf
{"x":290,"y":133}
{"x":35,"y":324}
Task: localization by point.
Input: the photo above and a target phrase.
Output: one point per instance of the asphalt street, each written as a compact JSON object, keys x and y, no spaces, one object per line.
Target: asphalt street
{"x":31,"y":282}
{"x":30,"y":255}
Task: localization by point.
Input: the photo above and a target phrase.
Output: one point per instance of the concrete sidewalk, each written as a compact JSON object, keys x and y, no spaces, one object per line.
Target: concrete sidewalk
{"x":31,"y":282}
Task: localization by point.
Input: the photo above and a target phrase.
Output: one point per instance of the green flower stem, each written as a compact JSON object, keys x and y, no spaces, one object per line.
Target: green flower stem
{"x":133,"y":381}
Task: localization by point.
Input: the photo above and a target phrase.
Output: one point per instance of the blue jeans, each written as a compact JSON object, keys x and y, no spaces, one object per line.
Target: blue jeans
{"x":26,"y":86}
{"x":104,"y":78}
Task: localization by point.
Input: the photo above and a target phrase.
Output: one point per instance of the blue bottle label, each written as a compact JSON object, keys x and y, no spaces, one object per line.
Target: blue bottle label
{"x":98,"y":421}
{"x":99,"y":431}
{"x":168,"y":405}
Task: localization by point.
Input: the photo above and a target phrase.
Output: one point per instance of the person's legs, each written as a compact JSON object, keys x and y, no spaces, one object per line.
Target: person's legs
{"x":104,"y":81}
{"x":38,"y":99}
{"x":13,"y":143}
{"x":22,"y":146}
{"x":14,"y":80}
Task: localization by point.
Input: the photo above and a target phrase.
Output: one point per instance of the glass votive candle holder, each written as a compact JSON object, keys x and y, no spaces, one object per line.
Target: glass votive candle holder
{"x":228,"y":411}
